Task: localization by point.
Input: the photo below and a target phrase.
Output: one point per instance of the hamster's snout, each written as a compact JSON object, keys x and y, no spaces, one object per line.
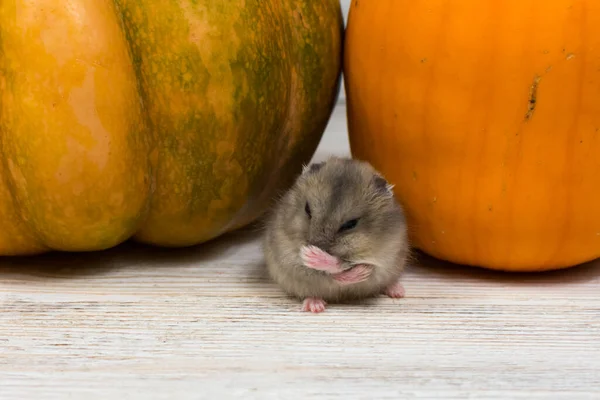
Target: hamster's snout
{"x":321,"y":244}
{"x":320,"y":240}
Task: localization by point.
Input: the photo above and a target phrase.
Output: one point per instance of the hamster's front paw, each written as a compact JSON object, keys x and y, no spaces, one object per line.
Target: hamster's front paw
{"x":314,"y":305}
{"x":395,"y":291}
{"x":315,"y":258}
{"x":356,"y":274}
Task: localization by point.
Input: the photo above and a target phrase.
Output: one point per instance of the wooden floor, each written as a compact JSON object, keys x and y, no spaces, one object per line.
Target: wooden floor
{"x":205,"y":323}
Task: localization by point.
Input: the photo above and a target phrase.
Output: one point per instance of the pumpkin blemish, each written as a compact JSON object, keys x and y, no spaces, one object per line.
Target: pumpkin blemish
{"x":532,"y":98}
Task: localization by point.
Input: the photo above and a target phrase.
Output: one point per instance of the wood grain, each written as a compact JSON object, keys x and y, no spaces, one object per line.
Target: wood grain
{"x":205,"y":323}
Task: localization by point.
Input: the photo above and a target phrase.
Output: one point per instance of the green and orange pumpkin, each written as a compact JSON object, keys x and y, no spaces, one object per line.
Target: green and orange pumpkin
{"x":172,"y":122}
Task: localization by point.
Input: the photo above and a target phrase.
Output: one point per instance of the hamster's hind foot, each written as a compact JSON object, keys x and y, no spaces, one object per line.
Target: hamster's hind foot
{"x":314,"y":305}
{"x":315,"y":258}
{"x":395,"y":291}
{"x":356,"y":274}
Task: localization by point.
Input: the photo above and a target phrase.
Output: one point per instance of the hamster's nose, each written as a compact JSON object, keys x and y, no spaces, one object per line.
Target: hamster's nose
{"x":318,"y":236}
{"x":321,"y":243}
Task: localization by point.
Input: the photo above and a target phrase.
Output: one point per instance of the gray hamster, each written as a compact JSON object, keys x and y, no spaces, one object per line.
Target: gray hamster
{"x":337,"y":234}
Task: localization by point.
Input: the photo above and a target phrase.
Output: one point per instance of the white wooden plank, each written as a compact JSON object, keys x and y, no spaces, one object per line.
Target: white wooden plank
{"x":142,"y":323}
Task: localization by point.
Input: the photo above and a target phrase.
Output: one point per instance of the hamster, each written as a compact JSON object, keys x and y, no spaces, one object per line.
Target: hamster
{"x":337,"y":234}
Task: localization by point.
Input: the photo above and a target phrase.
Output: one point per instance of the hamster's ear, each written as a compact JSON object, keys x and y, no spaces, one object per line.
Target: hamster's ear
{"x":383,"y":186}
{"x":309,"y":169}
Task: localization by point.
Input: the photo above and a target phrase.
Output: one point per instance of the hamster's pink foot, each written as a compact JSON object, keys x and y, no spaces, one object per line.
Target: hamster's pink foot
{"x":315,"y":258}
{"x":314,"y":305}
{"x":395,"y":291}
{"x":357,"y":274}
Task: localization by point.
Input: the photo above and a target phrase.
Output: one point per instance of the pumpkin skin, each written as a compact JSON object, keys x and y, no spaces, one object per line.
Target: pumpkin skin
{"x":169,"y":122}
{"x":486,"y":117}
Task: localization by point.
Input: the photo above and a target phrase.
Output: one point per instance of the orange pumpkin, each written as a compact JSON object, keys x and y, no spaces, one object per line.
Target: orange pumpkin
{"x":486,"y":117}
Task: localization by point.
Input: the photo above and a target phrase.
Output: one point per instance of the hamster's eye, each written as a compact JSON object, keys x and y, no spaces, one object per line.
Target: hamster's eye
{"x":348,"y":225}
{"x":307,"y":209}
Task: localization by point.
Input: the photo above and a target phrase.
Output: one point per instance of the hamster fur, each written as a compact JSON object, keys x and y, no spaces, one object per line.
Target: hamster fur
{"x":346,"y":209}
